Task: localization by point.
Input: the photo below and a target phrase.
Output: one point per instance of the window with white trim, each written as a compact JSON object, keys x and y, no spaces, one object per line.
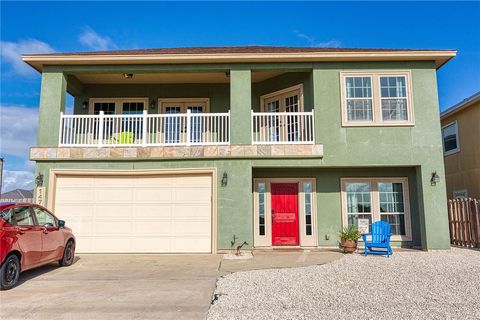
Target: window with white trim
{"x":261,"y":208}
{"x":307,"y":189}
{"x":359,"y":98}
{"x":450,"y":138}
{"x":118,"y":105}
{"x":375,"y":199}
{"x":393,"y":97}
{"x":376,"y":99}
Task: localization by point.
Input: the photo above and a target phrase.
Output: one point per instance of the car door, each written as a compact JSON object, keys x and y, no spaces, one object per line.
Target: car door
{"x":52,"y":237}
{"x":29,"y":236}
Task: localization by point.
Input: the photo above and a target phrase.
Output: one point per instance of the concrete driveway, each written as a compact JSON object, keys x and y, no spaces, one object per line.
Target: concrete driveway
{"x":133,"y":286}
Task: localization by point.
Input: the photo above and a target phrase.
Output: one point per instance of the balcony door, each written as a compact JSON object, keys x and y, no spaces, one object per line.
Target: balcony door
{"x":285,"y":127}
{"x":176,"y":125}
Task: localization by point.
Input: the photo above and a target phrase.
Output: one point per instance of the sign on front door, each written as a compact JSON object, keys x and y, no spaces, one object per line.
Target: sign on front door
{"x":284,"y":214}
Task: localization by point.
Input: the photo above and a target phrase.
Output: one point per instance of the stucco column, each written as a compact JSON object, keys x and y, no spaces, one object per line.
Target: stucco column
{"x":52,"y":102}
{"x":240,"y":106}
{"x":432,"y":200}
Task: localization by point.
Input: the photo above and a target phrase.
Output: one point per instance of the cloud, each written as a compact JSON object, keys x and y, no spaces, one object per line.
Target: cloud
{"x":17,"y":180}
{"x":91,"y":39}
{"x":304,"y":36}
{"x":329,"y":44}
{"x":332,"y":43}
{"x":18,"y":130}
{"x":11,"y":53}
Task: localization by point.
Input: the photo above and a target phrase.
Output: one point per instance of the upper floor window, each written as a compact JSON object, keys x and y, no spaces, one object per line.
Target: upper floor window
{"x":376,"y":99}
{"x":450,"y":138}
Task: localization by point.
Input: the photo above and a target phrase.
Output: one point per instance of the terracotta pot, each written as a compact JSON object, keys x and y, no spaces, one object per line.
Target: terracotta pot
{"x":349,"y":246}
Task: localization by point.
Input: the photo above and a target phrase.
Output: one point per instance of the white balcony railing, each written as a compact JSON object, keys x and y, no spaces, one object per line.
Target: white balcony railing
{"x":283,"y":128}
{"x":182,"y":129}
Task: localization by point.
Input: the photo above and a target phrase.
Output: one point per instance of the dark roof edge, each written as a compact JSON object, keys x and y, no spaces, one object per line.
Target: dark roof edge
{"x":461,"y":105}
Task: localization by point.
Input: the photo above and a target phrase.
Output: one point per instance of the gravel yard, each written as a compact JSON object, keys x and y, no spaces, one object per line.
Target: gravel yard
{"x":408,"y":285}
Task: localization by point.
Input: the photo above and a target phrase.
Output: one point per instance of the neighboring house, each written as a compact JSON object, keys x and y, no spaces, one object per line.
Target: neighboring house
{"x":183,"y":150}
{"x":461,"y":148}
{"x":17,"y":195}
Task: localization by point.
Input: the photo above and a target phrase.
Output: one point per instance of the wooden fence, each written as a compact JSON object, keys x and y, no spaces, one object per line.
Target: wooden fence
{"x":464,"y":221}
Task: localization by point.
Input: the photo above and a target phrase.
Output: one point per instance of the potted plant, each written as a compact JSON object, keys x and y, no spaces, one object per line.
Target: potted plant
{"x":349,"y":236}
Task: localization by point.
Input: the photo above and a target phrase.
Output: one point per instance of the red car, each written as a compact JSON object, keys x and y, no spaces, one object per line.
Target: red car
{"x":31,"y":236}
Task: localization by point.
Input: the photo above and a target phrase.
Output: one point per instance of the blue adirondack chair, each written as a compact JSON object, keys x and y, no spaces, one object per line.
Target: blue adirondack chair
{"x":379,"y":242}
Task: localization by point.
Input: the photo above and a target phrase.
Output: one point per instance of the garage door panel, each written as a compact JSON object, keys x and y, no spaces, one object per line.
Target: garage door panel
{"x":119,"y":195}
{"x":75,"y":194}
{"x":80,"y":226}
{"x":191,"y":228}
{"x":151,"y":194}
{"x":84,"y":244}
{"x":113,"y":181}
{"x":155,"y":227}
{"x":113,"y":211}
{"x":192,"y":211}
{"x":146,"y":211}
{"x":191,"y":194}
{"x":152,"y":244}
{"x":155,"y":181}
{"x":193,"y":181}
{"x":113,"y":227}
{"x":189,"y":245}
{"x":66,"y":210}
{"x":112,"y":244}
{"x":76,"y":181}
{"x":137,"y":214}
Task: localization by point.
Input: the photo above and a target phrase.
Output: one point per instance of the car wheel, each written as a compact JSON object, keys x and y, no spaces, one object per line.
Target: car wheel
{"x":68,"y":254}
{"x":9,"y":272}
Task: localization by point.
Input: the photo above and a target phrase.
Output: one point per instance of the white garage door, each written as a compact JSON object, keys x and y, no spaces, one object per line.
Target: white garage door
{"x":161,"y":213}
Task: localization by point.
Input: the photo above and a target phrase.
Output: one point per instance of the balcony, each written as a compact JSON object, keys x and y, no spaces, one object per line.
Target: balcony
{"x":283,"y":128}
{"x":144,"y":130}
{"x":181,"y":129}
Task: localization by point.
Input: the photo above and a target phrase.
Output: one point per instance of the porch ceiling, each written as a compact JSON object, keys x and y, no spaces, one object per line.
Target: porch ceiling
{"x":163,"y":78}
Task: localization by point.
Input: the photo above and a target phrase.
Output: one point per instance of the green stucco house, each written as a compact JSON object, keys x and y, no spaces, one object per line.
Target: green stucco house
{"x":186,"y":149}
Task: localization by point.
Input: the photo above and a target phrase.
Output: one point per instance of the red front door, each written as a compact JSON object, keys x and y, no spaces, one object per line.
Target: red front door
{"x":284,"y":214}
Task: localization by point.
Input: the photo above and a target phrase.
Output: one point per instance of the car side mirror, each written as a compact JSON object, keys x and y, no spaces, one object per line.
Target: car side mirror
{"x":61,"y":223}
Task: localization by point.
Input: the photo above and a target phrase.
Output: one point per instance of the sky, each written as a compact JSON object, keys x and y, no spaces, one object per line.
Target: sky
{"x":43,"y":27}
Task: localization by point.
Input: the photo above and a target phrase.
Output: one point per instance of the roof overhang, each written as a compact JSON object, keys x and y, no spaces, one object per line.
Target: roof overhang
{"x":38,"y":61}
{"x":461,"y":105}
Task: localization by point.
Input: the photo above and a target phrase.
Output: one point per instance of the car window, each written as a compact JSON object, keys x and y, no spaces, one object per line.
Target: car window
{"x":23,"y":216}
{"x":43,"y":217}
{"x":7,"y":215}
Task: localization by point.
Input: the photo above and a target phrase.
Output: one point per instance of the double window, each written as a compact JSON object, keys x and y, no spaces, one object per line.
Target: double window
{"x":381,"y":99}
{"x":111,"y":106}
{"x":368,"y":200}
{"x":117,"y":128}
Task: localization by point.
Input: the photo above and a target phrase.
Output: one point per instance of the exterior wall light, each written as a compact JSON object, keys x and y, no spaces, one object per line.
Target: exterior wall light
{"x":128,"y":75}
{"x":435,"y":178}
{"x":85,"y":105}
{"x":39,"y":180}
{"x":152,"y":104}
{"x":224,"y":179}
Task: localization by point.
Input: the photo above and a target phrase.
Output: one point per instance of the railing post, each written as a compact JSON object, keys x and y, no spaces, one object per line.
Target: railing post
{"x":144,"y":128}
{"x":100,"y":128}
{"x":251,"y":125}
{"x":229,"y":127}
{"x":313,"y":126}
{"x":60,"y":130}
{"x":189,"y":121}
